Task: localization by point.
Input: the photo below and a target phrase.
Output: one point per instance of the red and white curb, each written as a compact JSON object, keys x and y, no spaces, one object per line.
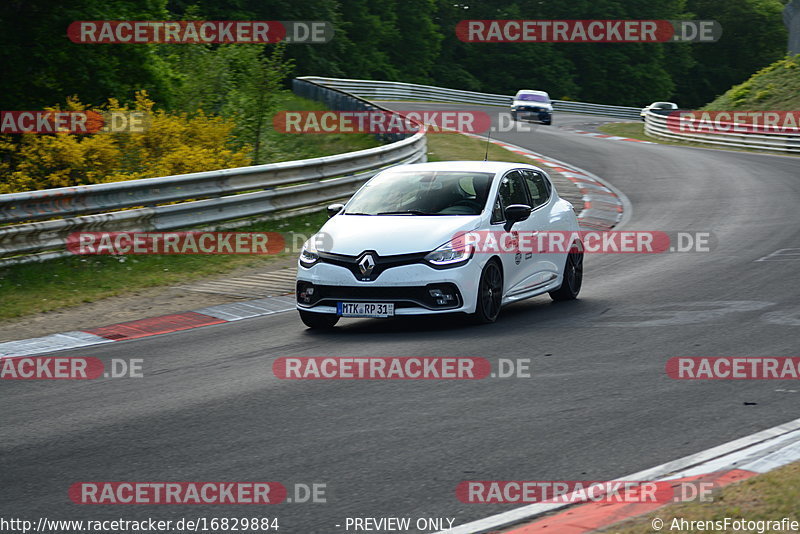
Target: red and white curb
{"x":153,"y":326}
{"x":725,"y":464}
{"x":611,"y":137}
{"x":604,"y":206}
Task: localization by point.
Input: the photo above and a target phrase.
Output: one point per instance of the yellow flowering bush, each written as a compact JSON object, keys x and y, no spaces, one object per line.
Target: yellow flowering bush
{"x":171,"y":143}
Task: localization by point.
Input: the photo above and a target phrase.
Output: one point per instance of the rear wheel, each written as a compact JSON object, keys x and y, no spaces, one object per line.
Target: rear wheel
{"x":513,"y":115}
{"x":490,"y":294}
{"x":319,"y":321}
{"x":573,"y":276}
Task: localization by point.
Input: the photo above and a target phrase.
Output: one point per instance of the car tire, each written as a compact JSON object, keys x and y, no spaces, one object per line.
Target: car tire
{"x":573,"y":277}
{"x":514,"y":116}
{"x":319,"y":321}
{"x":548,"y":122}
{"x":490,"y":294}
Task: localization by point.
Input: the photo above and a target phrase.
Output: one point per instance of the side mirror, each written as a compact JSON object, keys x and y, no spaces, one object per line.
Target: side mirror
{"x":334,"y":209}
{"x":515,"y":213}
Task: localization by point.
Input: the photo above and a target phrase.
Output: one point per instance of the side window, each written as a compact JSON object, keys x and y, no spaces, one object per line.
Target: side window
{"x":538,"y":186}
{"x":511,"y":191}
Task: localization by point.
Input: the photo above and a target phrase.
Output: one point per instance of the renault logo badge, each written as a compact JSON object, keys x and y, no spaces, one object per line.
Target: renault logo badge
{"x":366,"y":264}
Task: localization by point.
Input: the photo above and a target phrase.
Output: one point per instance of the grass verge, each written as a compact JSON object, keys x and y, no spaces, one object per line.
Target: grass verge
{"x":451,"y":146}
{"x":775,"y":87}
{"x":768,"y":497}
{"x":286,"y":147}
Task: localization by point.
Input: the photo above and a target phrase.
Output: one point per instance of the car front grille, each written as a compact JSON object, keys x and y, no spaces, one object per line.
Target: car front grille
{"x":381,"y":263}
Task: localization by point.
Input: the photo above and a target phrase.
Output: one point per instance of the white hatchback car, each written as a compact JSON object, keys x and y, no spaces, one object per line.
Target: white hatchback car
{"x":660,"y":106}
{"x":532,"y":105}
{"x":393,"y":249}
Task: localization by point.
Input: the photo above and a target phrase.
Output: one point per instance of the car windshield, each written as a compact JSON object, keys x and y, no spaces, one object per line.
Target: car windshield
{"x":422,"y":193}
{"x":533,"y":98}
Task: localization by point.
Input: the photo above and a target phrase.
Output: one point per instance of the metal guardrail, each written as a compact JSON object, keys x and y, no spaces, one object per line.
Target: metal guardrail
{"x":666,"y":126}
{"x":230,"y":196}
{"x":380,"y":90}
{"x":227,"y":194}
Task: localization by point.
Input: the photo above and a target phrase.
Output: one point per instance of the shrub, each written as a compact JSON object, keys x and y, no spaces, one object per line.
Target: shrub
{"x":174,"y":143}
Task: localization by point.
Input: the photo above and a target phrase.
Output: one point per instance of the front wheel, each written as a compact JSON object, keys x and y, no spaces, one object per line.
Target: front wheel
{"x":573,"y":277}
{"x":490,"y":294}
{"x":319,"y":321}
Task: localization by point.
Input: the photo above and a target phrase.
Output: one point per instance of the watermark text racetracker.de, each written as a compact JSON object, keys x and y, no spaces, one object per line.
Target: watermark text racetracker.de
{"x":487,"y":242}
{"x":196,"y":493}
{"x":380,"y":121}
{"x":589,"y":241}
{"x":395,"y":122}
{"x":74,"y":122}
{"x":199,"y":31}
{"x":68,"y":368}
{"x":733,"y":368}
{"x":190,"y":242}
{"x":121,"y":243}
{"x":177,"y":493}
{"x":399,"y":368}
{"x":572,"y":492}
{"x":735,"y":122}
{"x":588,"y":31}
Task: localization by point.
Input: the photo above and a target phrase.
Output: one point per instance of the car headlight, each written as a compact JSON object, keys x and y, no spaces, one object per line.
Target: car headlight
{"x":309,"y":254}
{"x":450,"y":254}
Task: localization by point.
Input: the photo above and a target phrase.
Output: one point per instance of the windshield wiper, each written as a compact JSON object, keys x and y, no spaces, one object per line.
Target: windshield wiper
{"x":357,"y":213}
{"x":405,"y":212}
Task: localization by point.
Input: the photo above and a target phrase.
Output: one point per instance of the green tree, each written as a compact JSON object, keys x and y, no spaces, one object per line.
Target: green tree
{"x":330,"y":59}
{"x":753,"y":37}
{"x":416,"y":41}
{"x":41,"y":65}
{"x":450,"y":69}
{"x":623,"y":73}
{"x":257,"y":75}
{"x":237,"y":81}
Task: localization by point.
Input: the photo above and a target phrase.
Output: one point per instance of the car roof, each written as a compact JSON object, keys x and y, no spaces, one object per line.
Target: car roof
{"x":495,"y":167}
{"x":531,"y":92}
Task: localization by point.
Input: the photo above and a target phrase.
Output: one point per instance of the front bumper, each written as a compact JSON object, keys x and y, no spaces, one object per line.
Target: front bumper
{"x":409,"y":287}
{"x":534,"y":114}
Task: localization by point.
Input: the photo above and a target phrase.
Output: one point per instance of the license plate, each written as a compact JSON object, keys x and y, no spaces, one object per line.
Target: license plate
{"x":365,"y":309}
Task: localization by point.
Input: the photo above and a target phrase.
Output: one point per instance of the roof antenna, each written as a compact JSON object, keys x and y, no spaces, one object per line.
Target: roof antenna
{"x":488,"y":140}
